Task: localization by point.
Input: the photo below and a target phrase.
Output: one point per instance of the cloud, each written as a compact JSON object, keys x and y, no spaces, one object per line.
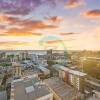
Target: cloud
{"x":54,"y":19}
{"x":13,"y":43}
{"x":21,"y":32}
{"x":37,"y":24}
{"x":64,"y":34}
{"x":2,"y":26}
{"x":37,"y":34}
{"x":74,"y":3}
{"x":14,"y":20}
{"x":28,"y":23}
{"x":2,"y":30}
{"x":51,"y":44}
{"x":22,"y":7}
{"x":18,"y":7}
{"x":3,"y":18}
{"x":53,"y":41}
{"x":9,"y":19}
{"x":92,"y":13}
{"x":1,"y":34}
{"x":18,"y":32}
{"x":19,"y":27}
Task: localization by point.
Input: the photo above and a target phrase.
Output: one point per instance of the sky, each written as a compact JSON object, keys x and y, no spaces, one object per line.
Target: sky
{"x":49,"y":24}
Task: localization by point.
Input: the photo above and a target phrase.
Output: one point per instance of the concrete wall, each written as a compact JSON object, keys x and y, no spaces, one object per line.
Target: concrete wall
{"x":46,"y":97}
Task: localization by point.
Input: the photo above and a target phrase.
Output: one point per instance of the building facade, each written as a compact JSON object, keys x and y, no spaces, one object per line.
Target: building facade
{"x":72,"y":77}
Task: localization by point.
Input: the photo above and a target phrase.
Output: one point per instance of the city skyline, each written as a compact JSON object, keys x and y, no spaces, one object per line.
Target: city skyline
{"x":46,"y":24}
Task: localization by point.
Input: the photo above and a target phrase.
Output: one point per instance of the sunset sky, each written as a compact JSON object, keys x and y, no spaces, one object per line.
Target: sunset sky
{"x":46,"y":24}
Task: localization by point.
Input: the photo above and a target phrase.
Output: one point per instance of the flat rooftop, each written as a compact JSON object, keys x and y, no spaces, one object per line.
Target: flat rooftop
{"x":64,"y":91}
{"x":29,"y":72}
{"x":61,"y":67}
{"x":3,"y":95}
{"x":44,"y":69}
{"x":93,"y":98}
{"x":29,"y":89}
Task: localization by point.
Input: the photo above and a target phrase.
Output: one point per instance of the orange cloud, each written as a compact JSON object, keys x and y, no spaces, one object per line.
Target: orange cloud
{"x":21,"y":32}
{"x":2,"y":34}
{"x":37,"y":34}
{"x":9,"y":19}
{"x":34,"y":24}
{"x":18,"y":32}
{"x":37,"y":24}
{"x":64,"y":34}
{"x":50,"y":42}
{"x":22,"y":27}
{"x":13,"y":43}
{"x":3,"y":18}
{"x":92,"y":13}
{"x":74,"y":3}
{"x":53,"y":41}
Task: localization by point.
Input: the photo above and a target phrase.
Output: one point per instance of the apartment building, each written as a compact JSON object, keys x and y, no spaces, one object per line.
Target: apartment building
{"x":72,"y":77}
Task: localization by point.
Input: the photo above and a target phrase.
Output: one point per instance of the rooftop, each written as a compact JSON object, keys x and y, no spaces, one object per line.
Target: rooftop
{"x":64,"y":91}
{"x":29,"y":89}
{"x":29,"y":73}
{"x":3,"y":95}
{"x":45,"y":70}
{"x":61,"y":67}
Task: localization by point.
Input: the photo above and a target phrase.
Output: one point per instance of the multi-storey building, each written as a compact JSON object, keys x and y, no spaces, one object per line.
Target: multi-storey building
{"x":17,"y":69}
{"x":77,"y":79}
{"x":72,"y":77}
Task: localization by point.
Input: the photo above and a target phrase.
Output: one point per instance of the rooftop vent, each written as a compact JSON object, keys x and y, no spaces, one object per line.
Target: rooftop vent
{"x":29,"y":89}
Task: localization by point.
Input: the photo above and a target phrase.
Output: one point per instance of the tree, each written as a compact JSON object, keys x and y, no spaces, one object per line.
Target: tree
{"x":50,"y":63}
